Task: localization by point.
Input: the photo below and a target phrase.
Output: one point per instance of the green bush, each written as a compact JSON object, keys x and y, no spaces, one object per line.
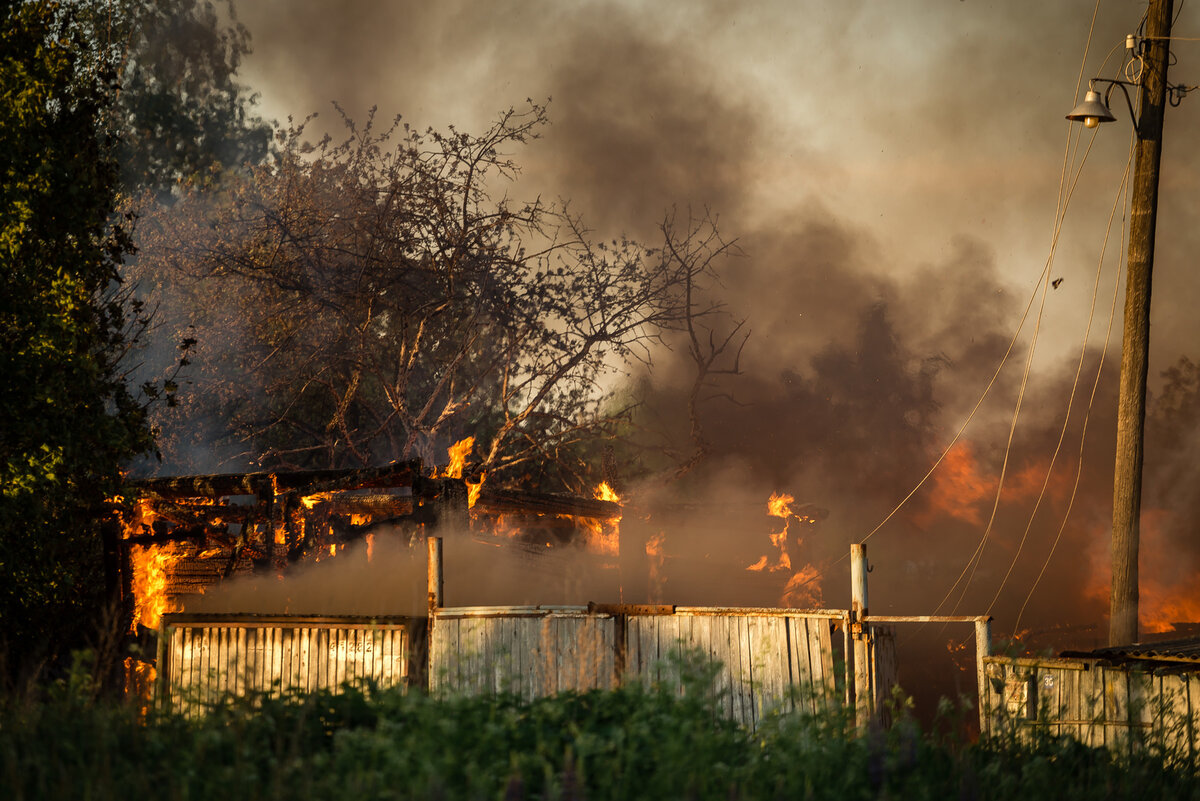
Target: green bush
{"x":631,"y":743}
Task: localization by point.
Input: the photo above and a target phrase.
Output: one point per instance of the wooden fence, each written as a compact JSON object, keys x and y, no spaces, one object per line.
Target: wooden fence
{"x":202,"y":659}
{"x":1119,"y":706}
{"x":761,"y":659}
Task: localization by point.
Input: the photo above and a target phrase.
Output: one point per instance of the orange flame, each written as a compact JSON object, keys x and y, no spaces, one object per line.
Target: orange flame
{"x":458,"y":453}
{"x":310,"y":501}
{"x":604,"y":536}
{"x":959,"y":487}
{"x":474,"y":490}
{"x":1167,"y":589}
{"x":803,"y":589}
{"x":778,"y":505}
{"x":150,"y":565}
{"x":657,"y":557}
{"x":139,"y":683}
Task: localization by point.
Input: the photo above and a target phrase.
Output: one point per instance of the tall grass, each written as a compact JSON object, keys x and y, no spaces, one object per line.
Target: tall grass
{"x":630,"y":743}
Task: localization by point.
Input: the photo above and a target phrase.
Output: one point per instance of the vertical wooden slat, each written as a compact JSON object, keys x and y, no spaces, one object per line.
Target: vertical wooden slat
{"x":178,"y":666}
{"x":805,"y":678}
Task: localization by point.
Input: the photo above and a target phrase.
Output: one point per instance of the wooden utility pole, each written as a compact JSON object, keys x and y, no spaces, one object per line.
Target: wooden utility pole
{"x":863,"y":691}
{"x":1131,"y":406}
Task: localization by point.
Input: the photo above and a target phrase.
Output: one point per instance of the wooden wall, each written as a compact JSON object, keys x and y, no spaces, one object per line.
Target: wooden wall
{"x":768,"y":658}
{"x":203,"y":659}
{"x":1119,"y":706}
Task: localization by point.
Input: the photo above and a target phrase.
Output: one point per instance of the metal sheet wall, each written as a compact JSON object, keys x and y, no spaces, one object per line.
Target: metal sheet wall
{"x":767,"y":660}
{"x":205,"y":660}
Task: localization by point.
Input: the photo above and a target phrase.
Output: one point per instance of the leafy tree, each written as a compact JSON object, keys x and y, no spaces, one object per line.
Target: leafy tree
{"x":378,"y":298}
{"x":69,"y":419}
{"x":179,"y":113}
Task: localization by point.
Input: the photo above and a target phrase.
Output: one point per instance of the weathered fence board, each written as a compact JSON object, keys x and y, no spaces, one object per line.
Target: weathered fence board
{"x":211,"y":657}
{"x":768,"y":659}
{"x":1121,"y":706}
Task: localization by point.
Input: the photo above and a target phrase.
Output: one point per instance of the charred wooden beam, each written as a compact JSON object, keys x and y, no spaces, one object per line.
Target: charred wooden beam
{"x":516,"y":502}
{"x":398,"y":474}
{"x":389,"y":505}
{"x":195,"y":534}
{"x":630,"y":609}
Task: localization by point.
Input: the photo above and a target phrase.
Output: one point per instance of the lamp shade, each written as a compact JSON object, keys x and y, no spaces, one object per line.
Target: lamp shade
{"x":1092,"y":111}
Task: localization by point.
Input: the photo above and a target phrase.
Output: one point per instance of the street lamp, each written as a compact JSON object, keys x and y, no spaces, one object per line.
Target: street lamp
{"x":1092,"y":111}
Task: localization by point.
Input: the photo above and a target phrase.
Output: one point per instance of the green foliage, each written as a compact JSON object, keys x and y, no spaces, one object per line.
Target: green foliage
{"x":625,"y":744}
{"x":179,"y":115}
{"x":69,"y":420}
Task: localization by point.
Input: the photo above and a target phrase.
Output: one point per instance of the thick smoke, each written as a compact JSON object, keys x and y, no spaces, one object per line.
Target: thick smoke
{"x":877,"y":316}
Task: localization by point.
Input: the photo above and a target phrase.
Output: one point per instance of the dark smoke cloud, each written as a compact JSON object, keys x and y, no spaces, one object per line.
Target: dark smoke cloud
{"x":875,"y":325}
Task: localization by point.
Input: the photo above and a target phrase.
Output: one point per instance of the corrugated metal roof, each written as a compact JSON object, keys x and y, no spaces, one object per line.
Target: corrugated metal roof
{"x":1181,"y":650}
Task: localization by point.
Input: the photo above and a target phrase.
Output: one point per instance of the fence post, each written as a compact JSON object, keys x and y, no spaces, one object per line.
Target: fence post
{"x":863,"y":696}
{"x":433,"y":575}
{"x":983,"y":648}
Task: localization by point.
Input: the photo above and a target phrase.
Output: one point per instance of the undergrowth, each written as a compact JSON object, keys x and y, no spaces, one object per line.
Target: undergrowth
{"x":632,"y":743}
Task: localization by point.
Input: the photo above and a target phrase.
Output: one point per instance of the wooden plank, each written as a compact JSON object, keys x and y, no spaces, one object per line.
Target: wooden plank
{"x":296,"y":676}
{"x":178,"y":666}
{"x":385,"y":672}
{"x":806,"y":676}
{"x":821,"y":650}
{"x":564,"y":653}
{"x":566,"y":641}
{"x":609,"y":646}
{"x":527,"y":640}
{"x":771,"y":663}
{"x":1091,"y":707}
{"x":747,"y":645}
{"x":303,"y":644}
{"x":1116,"y":709}
{"x":711,"y":634}
{"x":438,"y":665}
{"x":243,"y":655}
{"x":375,"y":664}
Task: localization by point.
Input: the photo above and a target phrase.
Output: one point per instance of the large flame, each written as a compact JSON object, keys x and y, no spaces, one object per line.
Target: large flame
{"x":457,"y":464}
{"x":150,"y":563}
{"x":803,"y":587}
{"x":778,"y":505}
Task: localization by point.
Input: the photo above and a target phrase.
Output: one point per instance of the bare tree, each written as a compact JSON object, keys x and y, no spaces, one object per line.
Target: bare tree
{"x":374,"y":300}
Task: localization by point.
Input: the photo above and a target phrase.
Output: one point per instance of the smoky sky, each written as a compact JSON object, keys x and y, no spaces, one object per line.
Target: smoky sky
{"x":890,"y":173}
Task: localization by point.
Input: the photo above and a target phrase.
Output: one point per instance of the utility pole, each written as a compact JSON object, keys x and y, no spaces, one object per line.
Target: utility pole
{"x":1131,"y":405}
